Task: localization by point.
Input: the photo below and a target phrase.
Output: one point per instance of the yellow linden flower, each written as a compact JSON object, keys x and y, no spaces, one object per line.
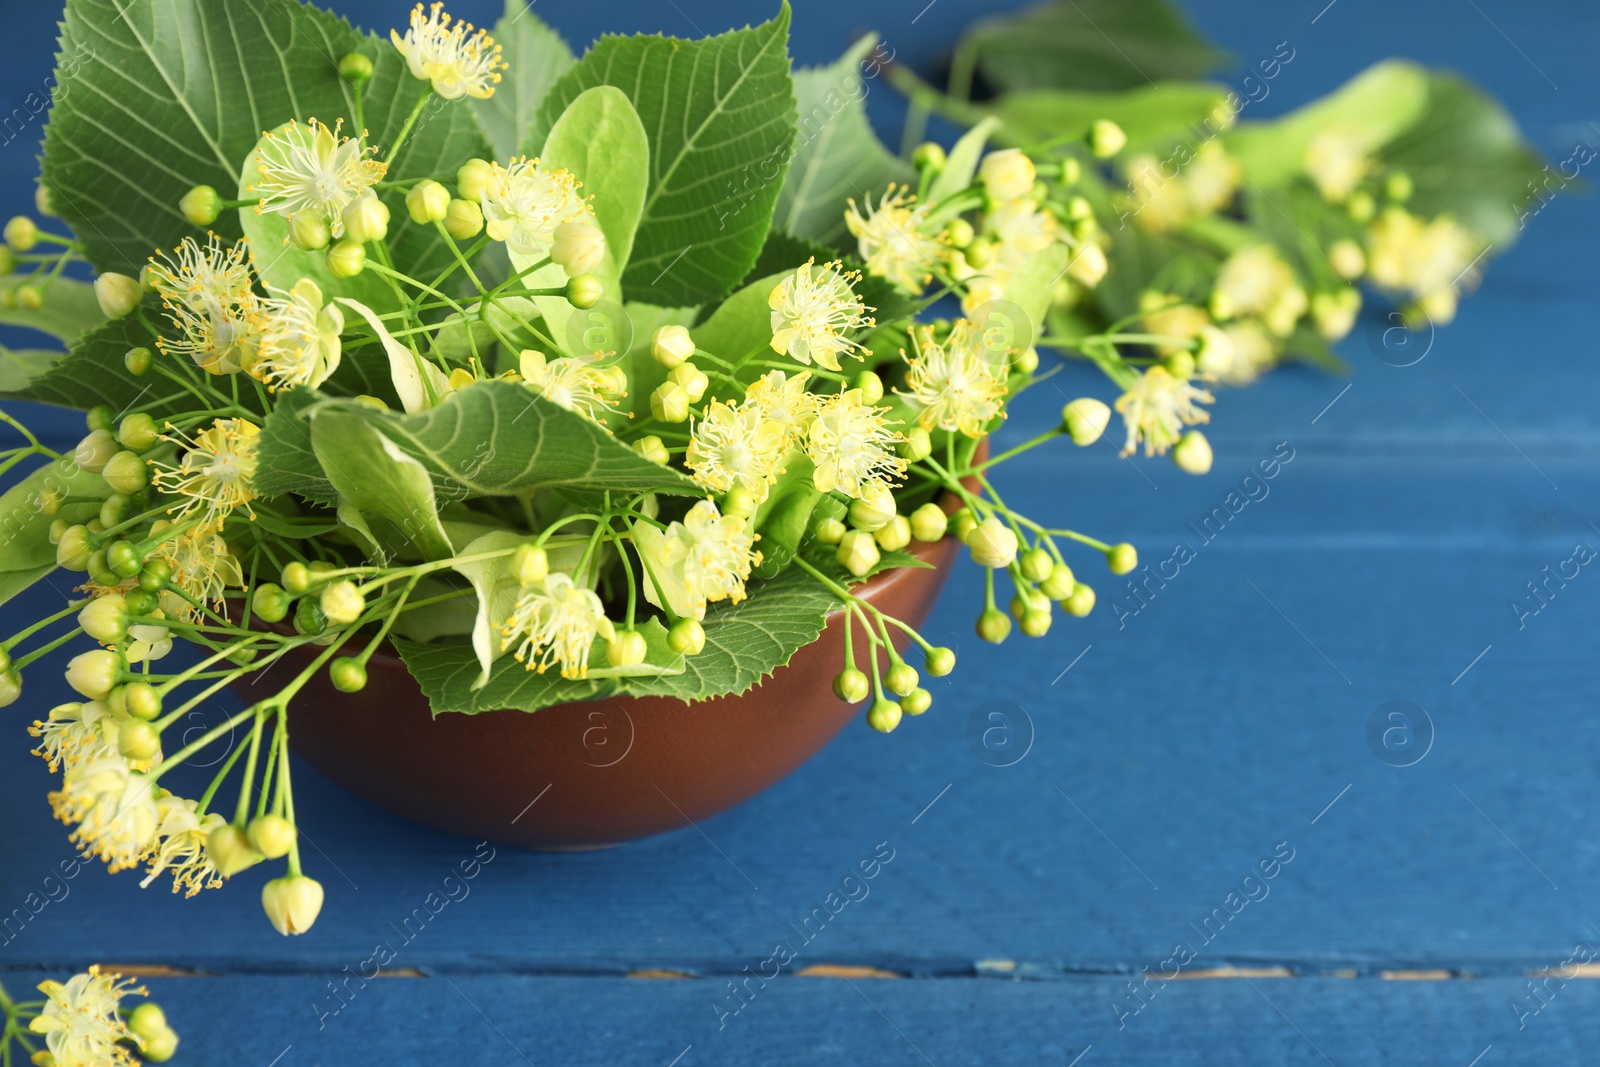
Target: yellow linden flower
{"x":1158,"y":203}
{"x":1182,"y":322}
{"x":76,"y":733}
{"x":783,"y":400}
{"x":182,"y":848}
{"x":202,"y":567}
{"x":80,"y":1020}
{"x":299,"y":343}
{"x":958,"y":385}
{"x":311,"y":168}
{"x":1255,"y":281}
{"x":555,"y":622}
{"x":114,"y":807}
{"x":894,"y":241}
{"x":1336,"y":162}
{"x":703,"y":559}
{"x":852,"y":446}
{"x":1428,"y":259}
{"x":207,"y":293}
{"x":735,"y":446}
{"x":1251,"y":350}
{"x":579,"y":385}
{"x":525,"y":202}
{"x":1156,"y":408}
{"x":457,"y":61}
{"x":1211,"y":178}
{"x":215,"y":473}
{"x":813,"y":311}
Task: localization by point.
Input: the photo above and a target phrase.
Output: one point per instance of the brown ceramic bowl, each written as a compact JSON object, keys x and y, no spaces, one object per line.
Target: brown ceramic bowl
{"x":596,"y":773}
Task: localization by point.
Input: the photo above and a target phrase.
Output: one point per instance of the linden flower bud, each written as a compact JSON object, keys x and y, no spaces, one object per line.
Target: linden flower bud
{"x":21,"y":234}
{"x":916,"y":702}
{"x":271,"y":835}
{"x":230,"y":851}
{"x":858,"y":552}
{"x":471,"y":178}
{"x":901,"y":679}
{"x":874,"y":510}
{"x":464,"y":220}
{"x":929,"y":523}
{"x":1007,"y":175}
{"x":1086,"y":419}
{"x":356,"y":68}
{"x":292,"y":903}
{"x":831,"y":531}
{"x":126,"y":473}
{"x":670,"y":346}
{"x":118,"y":294}
{"x":138,"y":740}
{"x":366,"y":219}
{"x":917,"y":445}
{"x":10,"y":688}
{"x":993,"y":544}
{"x":626,"y":649}
{"x":578,"y":246}
{"x":653,"y":449}
{"x":138,"y":432}
{"x":940,"y":662}
{"x":738,"y":503}
{"x":347,"y":259}
{"x":1192,"y":453}
{"x":1106,"y":139}
{"x":1036,"y":564}
{"x":871,"y":386}
{"x":1348,"y":259}
{"x":669,"y":402}
{"x":140,"y":700}
{"x":1122,"y":558}
{"x":895,"y":536}
{"x":348,"y":674}
{"x":584,"y":291}
{"x":147,"y":1020}
{"x":30,"y":298}
{"x":994,"y":626}
{"x":1088,"y":265}
{"x":959,"y":233}
{"x":529,"y":564}
{"x":687,"y":637}
{"x":94,"y":673}
{"x":309,"y":232}
{"x":692,"y":379}
{"x":201,"y":205}
{"x":1059,"y":583}
{"x":929,"y":155}
{"x":343,"y":603}
{"x":1081,"y":602}
{"x":104,"y":619}
{"x":851,"y":686}
{"x":884,"y":715}
{"x":428,"y":201}
{"x":1035,"y":623}
{"x":73,"y":550}
{"x":43,"y":202}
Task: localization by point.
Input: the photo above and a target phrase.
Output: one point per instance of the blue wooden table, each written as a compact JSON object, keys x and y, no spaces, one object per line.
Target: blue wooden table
{"x":1191,"y":841}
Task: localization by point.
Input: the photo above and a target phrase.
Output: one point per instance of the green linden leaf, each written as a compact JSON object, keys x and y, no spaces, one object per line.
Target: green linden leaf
{"x":962,"y":163}
{"x":722,"y":115}
{"x":494,"y":438}
{"x":836,"y":155}
{"x":1374,"y":108}
{"x":1466,"y":157}
{"x":1152,"y":116}
{"x":26,"y":554}
{"x":1088,"y":44}
{"x":70,"y":309}
{"x":380,"y":482}
{"x":146,"y":122}
{"x":536,"y":56}
{"x":20,"y":366}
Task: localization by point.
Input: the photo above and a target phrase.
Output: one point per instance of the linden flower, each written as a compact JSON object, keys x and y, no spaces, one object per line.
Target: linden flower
{"x":215,"y":473}
{"x":311,"y":168}
{"x":578,"y":385}
{"x":80,"y":1020}
{"x":1251,"y":350}
{"x":852,"y":446}
{"x":202,"y":567}
{"x":703,"y":559}
{"x":115,"y":809}
{"x":735,"y":446}
{"x":1182,"y":322}
{"x":894,"y":241}
{"x":555,"y":622}
{"x":182,"y":850}
{"x":1212,"y":178}
{"x":76,"y":733}
{"x":206,"y":291}
{"x":299,"y":342}
{"x":1255,"y":281}
{"x":958,"y":385}
{"x":1428,"y":259}
{"x":1336,"y":162}
{"x":1157,"y":407}
{"x":457,"y":61}
{"x":783,"y":400}
{"x":813,"y":310}
{"x":1159,"y":203}
{"x":524,"y":203}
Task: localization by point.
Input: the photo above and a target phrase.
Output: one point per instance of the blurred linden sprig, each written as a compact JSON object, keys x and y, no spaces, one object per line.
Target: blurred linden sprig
{"x":81,"y":1023}
{"x":386,"y":395}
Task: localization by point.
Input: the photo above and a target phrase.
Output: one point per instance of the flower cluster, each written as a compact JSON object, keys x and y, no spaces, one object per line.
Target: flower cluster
{"x":81,"y":1023}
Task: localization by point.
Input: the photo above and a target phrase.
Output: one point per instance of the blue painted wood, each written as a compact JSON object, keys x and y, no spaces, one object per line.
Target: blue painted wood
{"x":1227,"y":715}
